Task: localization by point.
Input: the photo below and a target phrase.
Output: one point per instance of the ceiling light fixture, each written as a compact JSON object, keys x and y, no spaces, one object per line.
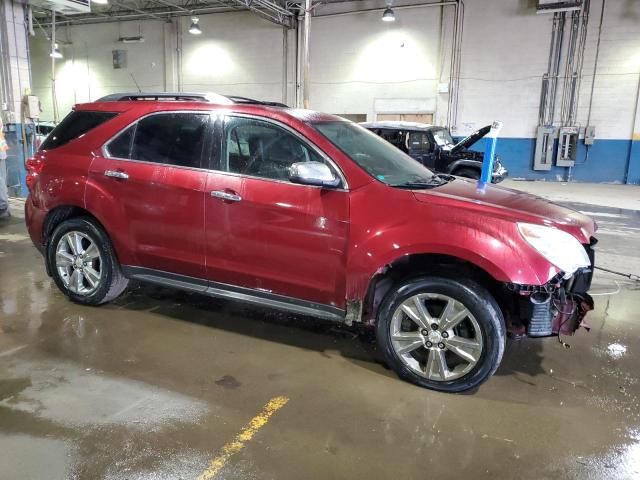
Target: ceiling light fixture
{"x":55,"y":52}
{"x":388,"y":15}
{"x":195,"y":29}
{"x":100,"y":2}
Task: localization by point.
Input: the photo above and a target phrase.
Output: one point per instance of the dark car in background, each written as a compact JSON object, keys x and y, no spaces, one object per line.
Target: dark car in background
{"x":434,"y":147}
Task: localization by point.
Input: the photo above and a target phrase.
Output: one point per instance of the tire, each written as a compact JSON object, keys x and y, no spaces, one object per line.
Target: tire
{"x":468,"y":173}
{"x":474,"y":345}
{"x":101,"y":278}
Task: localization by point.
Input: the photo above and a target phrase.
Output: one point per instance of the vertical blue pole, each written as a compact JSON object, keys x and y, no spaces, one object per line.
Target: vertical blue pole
{"x":21,"y":161}
{"x":490,"y":153}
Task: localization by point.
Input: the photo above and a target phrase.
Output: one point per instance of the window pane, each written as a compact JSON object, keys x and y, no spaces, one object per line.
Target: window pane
{"x":173,"y":139}
{"x":74,"y":125}
{"x":120,"y":147}
{"x":261,"y":149}
{"x":376,"y":156}
{"x":419,"y":141}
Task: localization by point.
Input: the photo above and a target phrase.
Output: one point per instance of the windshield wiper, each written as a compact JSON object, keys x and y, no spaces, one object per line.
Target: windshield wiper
{"x":435,"y":181}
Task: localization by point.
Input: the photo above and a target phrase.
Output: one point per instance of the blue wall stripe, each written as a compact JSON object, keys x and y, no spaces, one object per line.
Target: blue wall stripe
{"x":604,"y":161}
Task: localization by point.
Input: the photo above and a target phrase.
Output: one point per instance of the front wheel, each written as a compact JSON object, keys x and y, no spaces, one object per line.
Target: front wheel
{"x":440,"y":333}
{"x":83,"y":263}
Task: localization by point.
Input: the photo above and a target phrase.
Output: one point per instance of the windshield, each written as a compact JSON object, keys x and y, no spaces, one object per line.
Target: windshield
{"x":376,"y":156}
{"x":442,"y":137}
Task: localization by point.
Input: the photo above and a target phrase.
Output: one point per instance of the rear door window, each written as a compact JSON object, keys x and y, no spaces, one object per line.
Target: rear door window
{"x":120,"y":147}
{"x":75,"y":125}
{"x":169,"y":138}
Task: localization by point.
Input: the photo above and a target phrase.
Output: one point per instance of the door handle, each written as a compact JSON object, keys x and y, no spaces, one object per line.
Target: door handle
{"x":116,"y":174}
{"x":232,"y":197}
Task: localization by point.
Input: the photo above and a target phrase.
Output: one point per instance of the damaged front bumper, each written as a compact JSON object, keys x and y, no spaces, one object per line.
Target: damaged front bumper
{"x":557,"y":307}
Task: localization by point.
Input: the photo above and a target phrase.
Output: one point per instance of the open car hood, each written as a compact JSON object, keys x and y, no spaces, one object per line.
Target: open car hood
{"x":471,"y":139}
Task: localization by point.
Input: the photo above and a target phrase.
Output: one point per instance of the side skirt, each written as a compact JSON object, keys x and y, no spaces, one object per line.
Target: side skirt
{"x":233,"y":292}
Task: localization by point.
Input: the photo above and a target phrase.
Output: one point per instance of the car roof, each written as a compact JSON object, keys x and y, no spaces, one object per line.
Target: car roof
{"x":400,"y":125}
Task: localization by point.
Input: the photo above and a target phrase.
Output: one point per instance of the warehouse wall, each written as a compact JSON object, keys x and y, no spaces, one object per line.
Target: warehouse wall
{"x":360,"y":65}
{"x":505,"y":52}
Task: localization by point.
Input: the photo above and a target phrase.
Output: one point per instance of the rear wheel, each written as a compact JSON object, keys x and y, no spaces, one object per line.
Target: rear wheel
{"x":468,"y":173}
{"x":83,"y":263}
{"x":441,"y":333}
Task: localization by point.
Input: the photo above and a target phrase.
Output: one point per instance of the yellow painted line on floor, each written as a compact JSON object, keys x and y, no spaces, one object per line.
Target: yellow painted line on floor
{"x":247,"y":433}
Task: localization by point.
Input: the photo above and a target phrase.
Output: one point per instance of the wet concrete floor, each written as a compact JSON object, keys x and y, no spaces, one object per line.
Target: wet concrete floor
{"x":156,"y":384}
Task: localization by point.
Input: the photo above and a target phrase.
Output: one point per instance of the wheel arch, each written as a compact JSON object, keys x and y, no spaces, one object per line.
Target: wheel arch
{"x":60,"y":214}
{"x":464,"y":163}
{"x":420,"y":264}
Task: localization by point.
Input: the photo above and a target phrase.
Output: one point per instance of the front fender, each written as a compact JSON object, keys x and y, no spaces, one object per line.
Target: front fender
{"x":492,"y":244}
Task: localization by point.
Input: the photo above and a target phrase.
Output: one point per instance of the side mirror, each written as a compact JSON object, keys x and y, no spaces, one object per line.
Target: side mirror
{"x":313,"y":173}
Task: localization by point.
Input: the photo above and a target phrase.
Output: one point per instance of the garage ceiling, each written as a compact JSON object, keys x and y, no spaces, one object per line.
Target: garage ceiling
{"x":281,"y":12}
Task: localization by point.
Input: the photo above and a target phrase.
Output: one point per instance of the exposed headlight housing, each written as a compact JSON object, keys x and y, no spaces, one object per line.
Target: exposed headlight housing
{"x":559,"y":247}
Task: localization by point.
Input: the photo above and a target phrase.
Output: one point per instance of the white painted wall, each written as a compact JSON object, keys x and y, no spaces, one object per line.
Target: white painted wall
{"x":505,"y":52}
{"x":17,"y":50}
{"x":356,"y":59}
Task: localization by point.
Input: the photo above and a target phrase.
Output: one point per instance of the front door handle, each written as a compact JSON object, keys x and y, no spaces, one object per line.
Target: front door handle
{"x":232,"y":197}
{"x":116,"y":174}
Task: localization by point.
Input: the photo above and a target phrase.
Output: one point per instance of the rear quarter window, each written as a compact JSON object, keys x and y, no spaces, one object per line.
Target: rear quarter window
{"x":74,"y":125}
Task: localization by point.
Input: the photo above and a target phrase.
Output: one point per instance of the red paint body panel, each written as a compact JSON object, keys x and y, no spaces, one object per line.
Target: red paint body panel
{"x":304,"y":242}
{"x":155,"y":217}
{"x":283,"y":238}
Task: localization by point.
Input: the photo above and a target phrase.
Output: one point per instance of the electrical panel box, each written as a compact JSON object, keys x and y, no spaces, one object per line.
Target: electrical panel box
{"x":543,"y":159}
{"x":32,"y":107}
{"x":589,"y":135}
{"x":567,"y":146}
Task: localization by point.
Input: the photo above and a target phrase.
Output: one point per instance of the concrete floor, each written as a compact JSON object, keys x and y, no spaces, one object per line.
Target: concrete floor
{"x":159,"y":383}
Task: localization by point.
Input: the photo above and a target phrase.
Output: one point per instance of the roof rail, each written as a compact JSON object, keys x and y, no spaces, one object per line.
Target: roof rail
{"x":187,"y":97}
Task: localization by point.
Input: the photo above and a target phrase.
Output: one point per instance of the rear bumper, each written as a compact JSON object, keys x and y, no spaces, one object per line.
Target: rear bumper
{"x":34,"y":219}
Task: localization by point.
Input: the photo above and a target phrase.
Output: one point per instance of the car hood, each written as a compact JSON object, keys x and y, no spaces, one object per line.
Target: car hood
{"x":517,"y":205}
{"x":470,"y":140}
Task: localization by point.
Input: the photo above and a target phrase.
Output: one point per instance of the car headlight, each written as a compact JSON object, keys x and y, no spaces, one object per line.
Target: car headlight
{"x":559,"y":247}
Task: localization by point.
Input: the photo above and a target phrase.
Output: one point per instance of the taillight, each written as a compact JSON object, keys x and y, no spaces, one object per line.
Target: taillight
{"x":34,"y":166}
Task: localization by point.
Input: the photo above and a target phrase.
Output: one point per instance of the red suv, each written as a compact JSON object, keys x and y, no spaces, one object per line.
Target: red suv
{"x":309,"y":213}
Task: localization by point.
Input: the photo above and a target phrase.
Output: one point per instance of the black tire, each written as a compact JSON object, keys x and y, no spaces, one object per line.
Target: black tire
{"x":476,"y":299}
{"x":112,"y":282}
{"x":468,"y":173}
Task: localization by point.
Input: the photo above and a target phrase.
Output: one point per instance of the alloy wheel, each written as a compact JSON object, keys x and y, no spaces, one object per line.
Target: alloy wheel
{"x":436,"y":336}
{"x":79,"y":263}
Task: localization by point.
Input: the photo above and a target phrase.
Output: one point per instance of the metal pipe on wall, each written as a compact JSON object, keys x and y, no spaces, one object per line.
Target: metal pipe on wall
{"x":5,"y":70}
{"x":306,"y":33}
{"x":285,"y":62}
{"x":399,"y":7}
{"x":54,"y":98}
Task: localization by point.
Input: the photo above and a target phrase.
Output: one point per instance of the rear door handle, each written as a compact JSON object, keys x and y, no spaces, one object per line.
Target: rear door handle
{"x":116,"y":174}
{"x":232,"y":197}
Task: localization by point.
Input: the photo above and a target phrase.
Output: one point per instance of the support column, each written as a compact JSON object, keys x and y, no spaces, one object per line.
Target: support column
{"x":306,"y":32}
{"x":15,"y":81}
{"x":632,"y":174}
{"x":170,"y":55}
